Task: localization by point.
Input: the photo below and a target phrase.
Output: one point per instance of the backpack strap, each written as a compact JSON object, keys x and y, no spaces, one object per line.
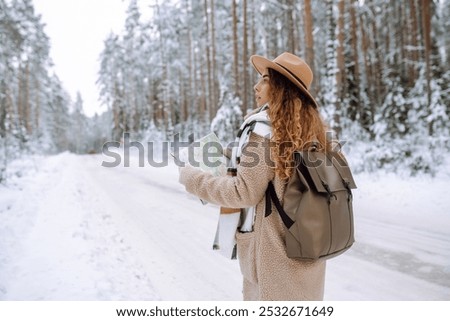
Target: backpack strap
{"x":258,"y":123}
{"x":271,"y":195}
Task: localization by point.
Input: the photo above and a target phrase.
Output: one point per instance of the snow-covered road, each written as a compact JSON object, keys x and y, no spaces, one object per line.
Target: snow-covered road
{"x":71,"y":229}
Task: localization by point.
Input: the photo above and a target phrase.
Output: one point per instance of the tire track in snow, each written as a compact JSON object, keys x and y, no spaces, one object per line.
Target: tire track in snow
{"x":412,"y":251}
{"x":403,"y":262}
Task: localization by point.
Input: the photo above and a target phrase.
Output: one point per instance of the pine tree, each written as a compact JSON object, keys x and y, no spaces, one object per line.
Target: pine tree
{"x":228,"y":117}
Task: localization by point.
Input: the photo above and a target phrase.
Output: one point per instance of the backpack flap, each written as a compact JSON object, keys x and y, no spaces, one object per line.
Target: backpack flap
{"x":326,"y":173}
{"x":342,"y":167}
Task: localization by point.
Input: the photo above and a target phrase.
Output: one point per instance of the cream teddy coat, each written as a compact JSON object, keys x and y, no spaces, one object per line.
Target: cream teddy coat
{"x":268,"y":274}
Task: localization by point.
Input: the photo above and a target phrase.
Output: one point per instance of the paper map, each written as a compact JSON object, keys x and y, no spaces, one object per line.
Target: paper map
{"x":206,"y":154}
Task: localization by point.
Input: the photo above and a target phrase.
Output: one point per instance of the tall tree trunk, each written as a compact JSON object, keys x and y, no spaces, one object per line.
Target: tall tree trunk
{"x":253,"y":10}
{"x":354,"y":87}
{"x":215,"y":89}
{"x":367,"y":114}
{"x":377,"y":62}
{"x":426,"y":21}
{"x":331,"y":66}
{"x":27,"y":104}
{"x":208,"y":62}
{"x":3,"y":131}
{"x":199,"y":89}
{"x":165,"y":105}
{"x":3,"y":110}
{"x":414,"y":55}
{"x":20,"y":101}
{"x":235,"y":50}
{"x":149,"y":104}
{"x":290,"y":44}
{"x":203,"y":97}
{"x":253,"y":73}
{"x":192,"y":83}
{"x":37,"y":107}
{"x":309,"y":41}
{"x":401,"y":25}
{"x":245,"y":86}
{"x":340,"y":74}
{"x":299,"y":25}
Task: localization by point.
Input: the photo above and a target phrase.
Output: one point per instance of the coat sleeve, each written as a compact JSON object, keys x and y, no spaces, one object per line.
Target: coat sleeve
{"x":245,"y":189}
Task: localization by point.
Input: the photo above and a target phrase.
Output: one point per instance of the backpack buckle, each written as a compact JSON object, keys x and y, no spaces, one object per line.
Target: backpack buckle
{"x":349,"y":191}
{"x":330,"y":194}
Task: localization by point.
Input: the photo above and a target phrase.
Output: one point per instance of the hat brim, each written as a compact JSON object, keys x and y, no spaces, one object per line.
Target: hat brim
{"x":261,"y":63}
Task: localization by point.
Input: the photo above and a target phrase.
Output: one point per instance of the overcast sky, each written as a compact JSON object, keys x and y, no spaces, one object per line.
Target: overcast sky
{"x":77,"y":29}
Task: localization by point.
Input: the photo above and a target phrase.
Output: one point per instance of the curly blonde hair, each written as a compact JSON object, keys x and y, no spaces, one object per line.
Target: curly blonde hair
{"x":296,"y":123}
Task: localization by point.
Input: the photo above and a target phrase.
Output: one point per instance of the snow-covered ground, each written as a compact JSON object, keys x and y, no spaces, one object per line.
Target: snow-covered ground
{"x":71,"y":229}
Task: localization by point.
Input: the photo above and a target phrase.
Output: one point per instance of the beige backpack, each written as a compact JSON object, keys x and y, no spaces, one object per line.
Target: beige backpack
{"x":317,"y":206}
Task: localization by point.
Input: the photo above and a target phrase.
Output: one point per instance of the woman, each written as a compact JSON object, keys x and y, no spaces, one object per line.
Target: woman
{"x":282,"y":93}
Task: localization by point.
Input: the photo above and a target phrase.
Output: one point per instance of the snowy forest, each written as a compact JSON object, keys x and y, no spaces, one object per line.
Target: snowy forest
{"x":73,"y":229}
{"x":380,"y":67}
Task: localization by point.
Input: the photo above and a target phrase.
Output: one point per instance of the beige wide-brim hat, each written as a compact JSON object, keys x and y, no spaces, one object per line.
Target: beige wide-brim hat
{"x":292,"y":67}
